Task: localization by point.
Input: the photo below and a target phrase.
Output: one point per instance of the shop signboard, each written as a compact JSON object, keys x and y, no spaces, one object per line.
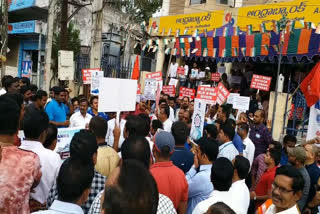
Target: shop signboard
{"x":260,"y":82}
{"x":22,"y":27}
{"x":19,"y":4}
{"x":187,"y":92}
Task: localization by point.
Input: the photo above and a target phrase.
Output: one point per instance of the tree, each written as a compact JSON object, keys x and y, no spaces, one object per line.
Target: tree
{"x":139,"y":10}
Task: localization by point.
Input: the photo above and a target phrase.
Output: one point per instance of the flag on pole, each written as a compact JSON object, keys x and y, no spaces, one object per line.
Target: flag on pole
{"x":318,"y":29}
{"x":249,"y":29}
{"x":310,"y":86}
{"x":178,"y":33}
{"x":136,"y":67}
{"x":263,"y":27}
{"x":195,"y":33}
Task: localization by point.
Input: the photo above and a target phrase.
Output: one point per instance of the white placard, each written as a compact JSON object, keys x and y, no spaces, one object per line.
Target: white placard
{"x":202,"y":74}
{"x":231,"y":97}
{"x":173,"y":81}
{"x":314,"y":125}
{"x":150,"y":89}
{"x":95,"y":81}
{"x":117,"y":95}
{"x":241,"y":103}
{"x":222,"y":70}
{"x":65,"y":136}
{"x":198,"y":119}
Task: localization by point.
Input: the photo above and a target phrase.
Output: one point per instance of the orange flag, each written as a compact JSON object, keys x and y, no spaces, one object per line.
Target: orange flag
{"x":136,"y":73}
{"x":310,"y":86}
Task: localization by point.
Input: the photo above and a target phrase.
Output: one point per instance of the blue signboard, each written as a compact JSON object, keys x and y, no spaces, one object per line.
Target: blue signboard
{"x":22,"y":27}
{"x":20,"y":4}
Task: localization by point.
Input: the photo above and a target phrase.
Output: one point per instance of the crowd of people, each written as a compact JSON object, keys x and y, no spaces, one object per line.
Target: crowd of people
{"x":144,"y":162}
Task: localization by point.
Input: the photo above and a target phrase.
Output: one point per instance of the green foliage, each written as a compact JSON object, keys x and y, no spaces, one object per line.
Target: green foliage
{"x":140,"y":10}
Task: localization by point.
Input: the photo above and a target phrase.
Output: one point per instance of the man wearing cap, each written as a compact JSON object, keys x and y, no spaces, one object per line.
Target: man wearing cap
{"x":170,"y":179}
{"x":297,"y":156}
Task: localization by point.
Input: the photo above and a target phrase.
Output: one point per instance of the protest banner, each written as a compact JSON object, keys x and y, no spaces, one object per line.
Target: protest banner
{"x":207,"y":94}
{"x":231,"y":98}
{"x":173,"y":81}
{"x":187,"y":92}
{"x":63,"y":141}
{"x":150,"y":89}
{"x":222,"y":94}
{"x":117,"y":95}
{"x":86,"y":75}
{"x":95,"y":81}
{"x":155,"y":75}
{"x":314,"y":122}
{"x":181,"y":71}
{"x":215,"y":77}
{"x":170,"y":90}
{"x":198,"y":119}
{"x":260,"y":82}
{"x":241,"y":103}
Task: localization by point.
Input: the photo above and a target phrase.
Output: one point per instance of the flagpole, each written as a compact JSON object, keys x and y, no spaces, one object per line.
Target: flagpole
{"x":283,"y":23}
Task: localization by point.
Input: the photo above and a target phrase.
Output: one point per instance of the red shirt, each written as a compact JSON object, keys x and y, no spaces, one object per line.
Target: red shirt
{"x":171,"y":182}
{"x":265,"y":183}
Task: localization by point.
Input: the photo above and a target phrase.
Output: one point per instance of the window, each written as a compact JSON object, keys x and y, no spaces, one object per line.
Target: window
{"x":222,"y":1}
{"x":192,"y":2}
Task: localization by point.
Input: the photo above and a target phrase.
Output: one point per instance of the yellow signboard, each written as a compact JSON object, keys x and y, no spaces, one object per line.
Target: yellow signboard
{"x":307,"y":10}
{"x":200,"y":21}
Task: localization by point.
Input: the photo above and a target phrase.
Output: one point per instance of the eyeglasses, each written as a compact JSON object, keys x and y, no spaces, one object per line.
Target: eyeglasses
{"x":281,"y":189}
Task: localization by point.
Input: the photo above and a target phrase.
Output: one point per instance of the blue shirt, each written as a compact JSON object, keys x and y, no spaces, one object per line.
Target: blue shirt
{"x":56,"y":112}
{"x":182,"y":158}
{"x":237,"y":142}
{"x":100,"y":114}
{"x":200,"y":186}
{"x":187,"y":146}
{"x":284,"y":158}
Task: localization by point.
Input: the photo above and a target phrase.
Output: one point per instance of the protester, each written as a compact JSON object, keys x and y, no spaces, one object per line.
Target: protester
{"x":221,"y":178}
{"x":259,"y":133}
{"x":163,"y":103}
{"x":83,"y":147}
{"x":263,"y":189}
{"x":94,"y":101}
{"x":227,"y":149}
{"x":210,"y":131}
{"x":56,"y":109}
{"x":35,"y":127}
{"x":170,"y":179}
{"x":289,"y":141}
{"x":73,"y":187}
{"x":164,"y":118}
{"x":108,"y":158}
{"x":11,"y":85}
{"x":4,"y":80}
{"x":81,"y":119}
{"x":237,"y":141}
{"x":239,"y":190}
{"x":52,"y":137}
{"x":75,"y":104}
{"x":24,"y":81}
{"x":220,"y":208}
{"x":314,"y":205}
{"x":249,"y":148}
{"x":155,"y":125}
{"x":187,"y":118}
{"x":18,"y":168}
{"x":286,"y":191}
{"x":112,"y":126}
{"x":39,"y":102}
{"x":184,"y":107}
{"x":199,"y":183}
{"x":297,"y":156}
{"x":27,"y":94}
{"x":180,"y":114}
{"x":312,"y":168}
{"x":136,"y":148}
{"x":121,"y":197}
{"x":181,"y":158}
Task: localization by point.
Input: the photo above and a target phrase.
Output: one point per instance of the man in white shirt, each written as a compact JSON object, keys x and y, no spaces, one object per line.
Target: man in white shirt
{"x":227,"y":149}
{"x":248,"y":146}
{"x":239,"y":191}
{"x":111,"y":125}
{"x":35,"y":125}
{"x":221,"y":178}
{"x":164,"y":118}
{"x":73,"y":184}
{"x":173,"y":69}
{"x":286,"y":191}
{"x":81,"y":119}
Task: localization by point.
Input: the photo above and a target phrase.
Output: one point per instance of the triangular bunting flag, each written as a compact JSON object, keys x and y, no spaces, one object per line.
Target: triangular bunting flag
{"x":169,"y":32}
{"x":182,"y":51}
{"x":266,"y":47}
{"x":194,"y":50}
{"x":205,"y":52}
{"x":224,"y":53}
{"x":214,"y":52}
{"x":195,"y":33}
{"x":235,"y":51}
{"x":263,"y":27}
{"x":149,"y":30}
{"x":155,"y":48}
{"x":149,"y":42}
{"x":253,"y":52}
{"x":205,"y":33}
{"x":243,"y":50}
{"x":185,"y":31}
{"x":156,"y":30}
{"x":276,"y":48}
{"x":276,"y":27}
{"x":236,"y":31}
{"x":181,"y":40}
{"x":166,"y":41}
{"x":225,"y":31}
{"x":249,"y":29}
